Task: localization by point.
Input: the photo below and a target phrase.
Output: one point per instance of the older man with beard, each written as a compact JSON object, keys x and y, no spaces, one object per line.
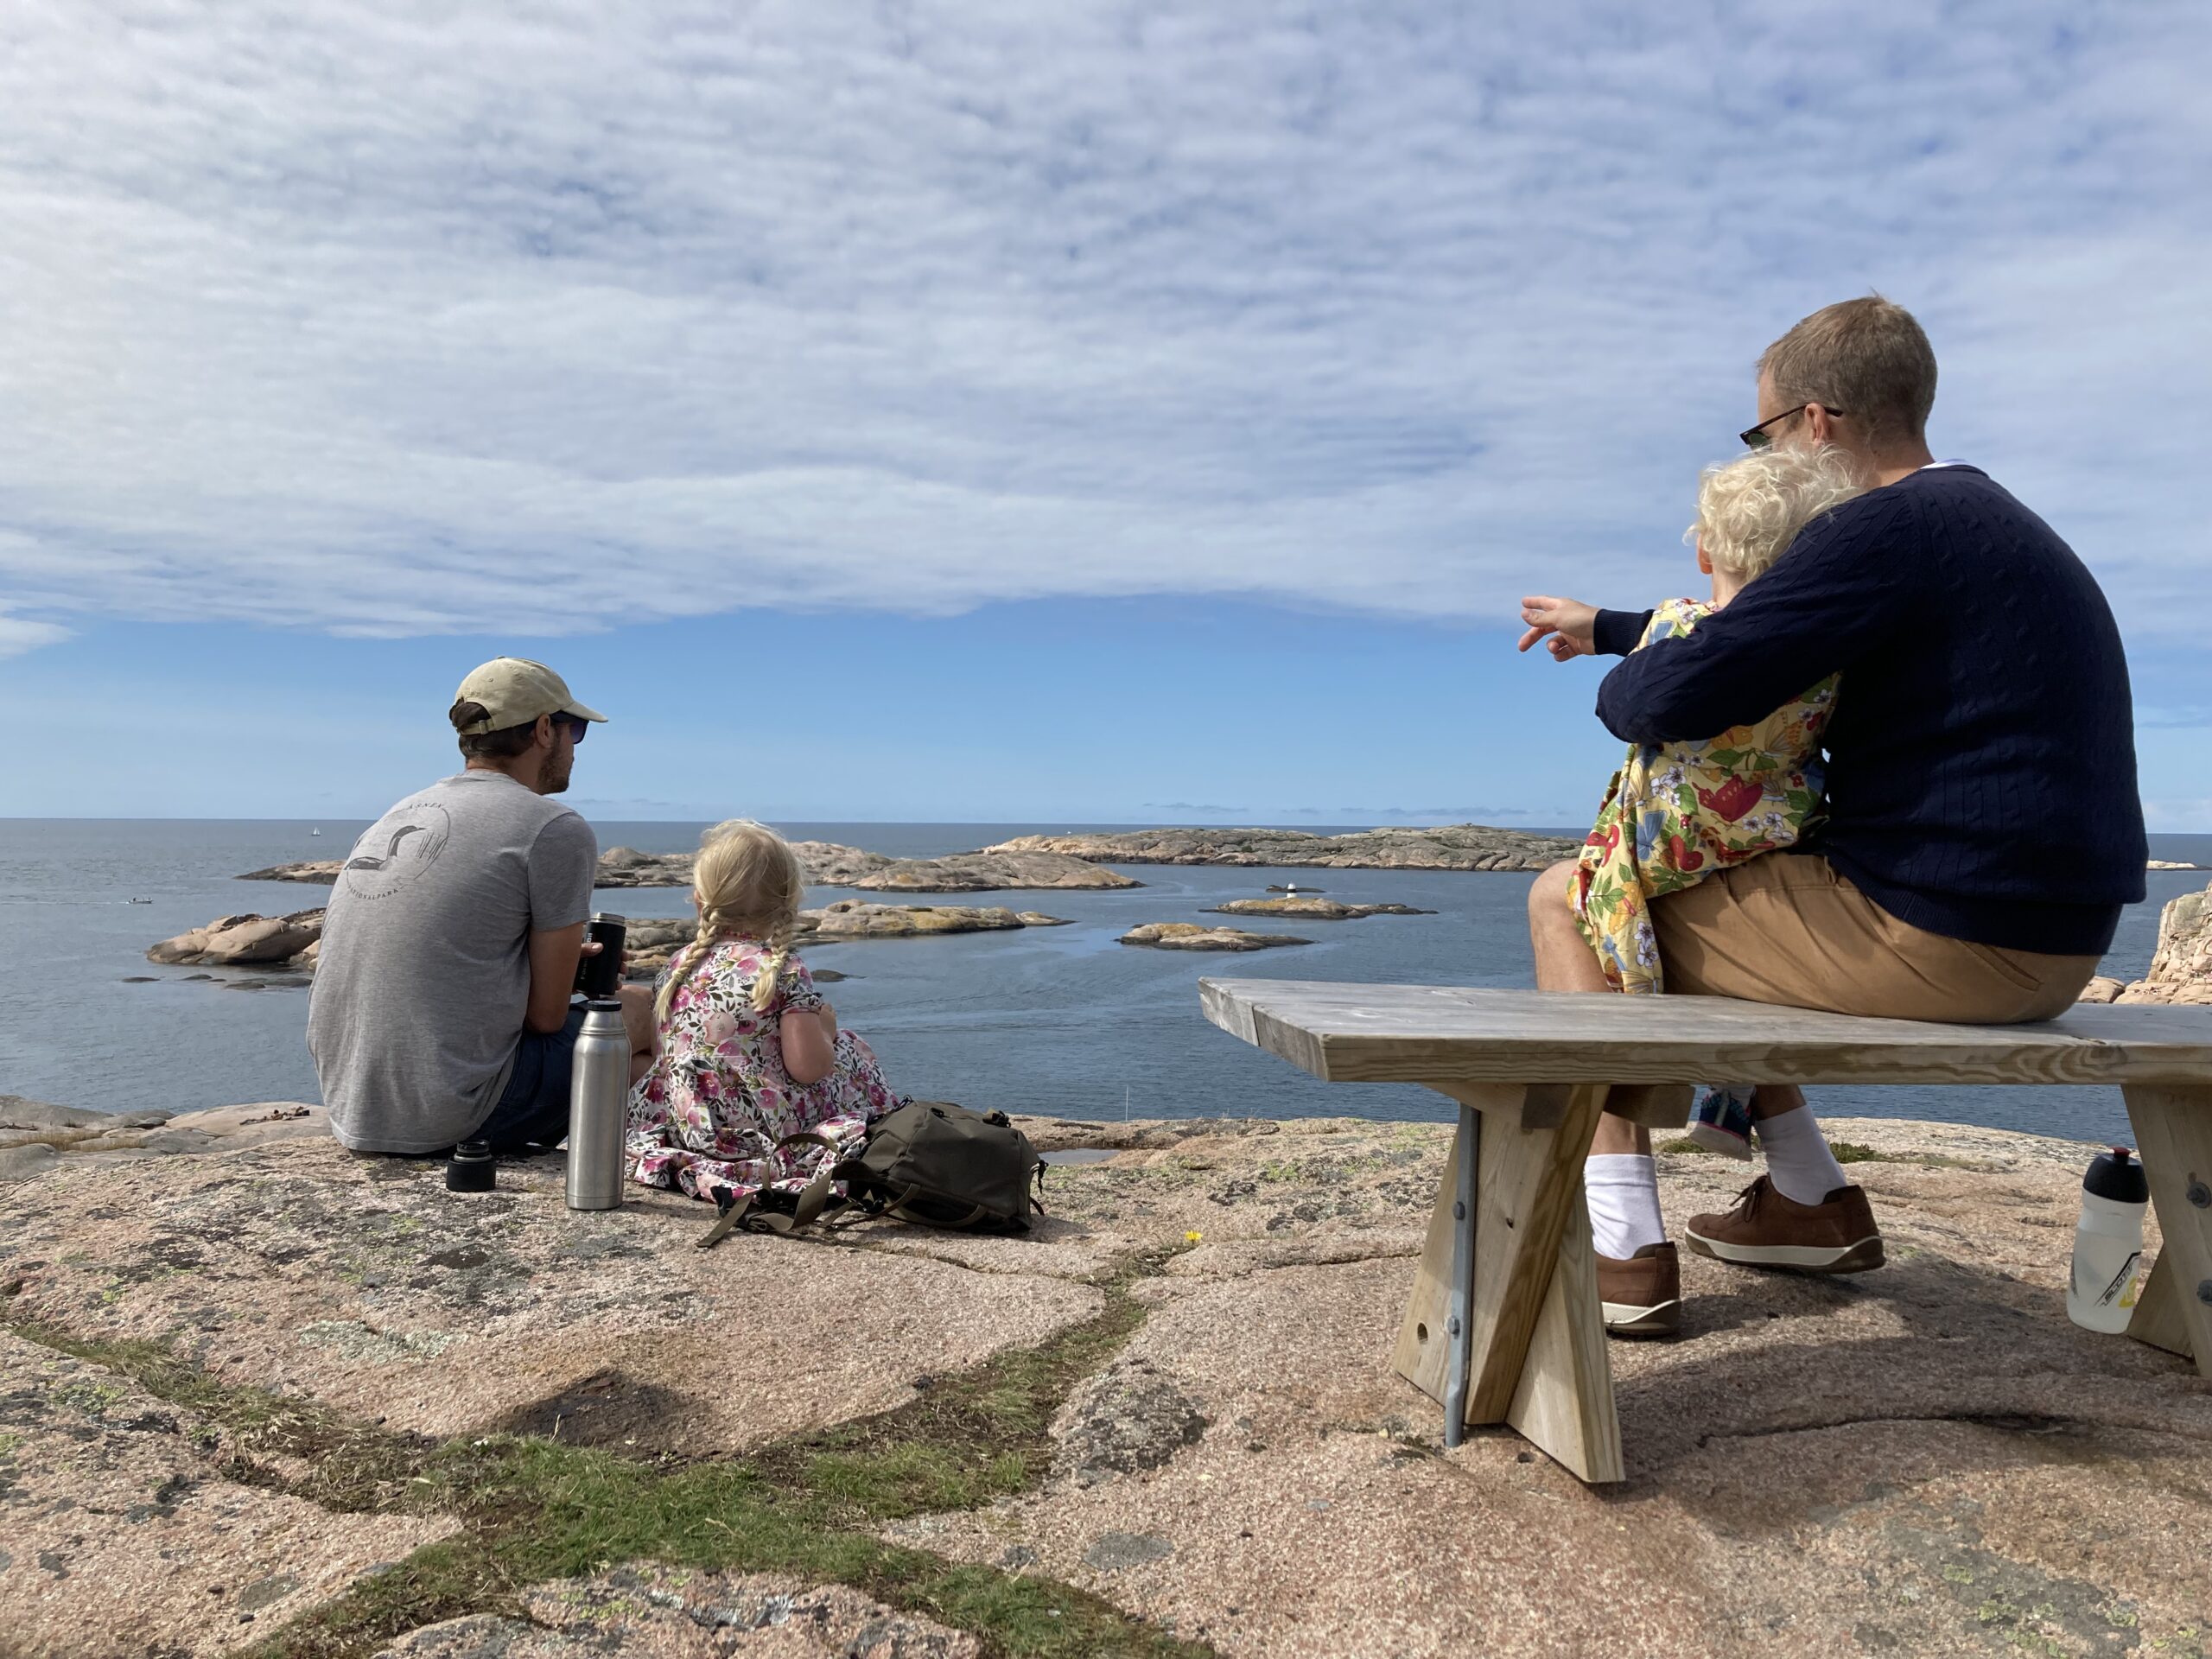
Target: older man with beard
{"x":441,"y":1010}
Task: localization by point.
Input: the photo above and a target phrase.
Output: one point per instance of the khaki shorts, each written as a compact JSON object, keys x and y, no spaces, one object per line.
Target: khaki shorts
{"x":1787,"y":928}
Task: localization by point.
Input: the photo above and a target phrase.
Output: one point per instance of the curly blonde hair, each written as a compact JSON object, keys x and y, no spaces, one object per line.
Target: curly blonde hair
{"x":1748,"y":510}
{"x":748,"y":882}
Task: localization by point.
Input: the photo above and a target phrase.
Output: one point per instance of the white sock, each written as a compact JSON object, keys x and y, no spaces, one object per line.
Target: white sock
{"x":1623,"y":1188}
{"x":1798,"y":1160}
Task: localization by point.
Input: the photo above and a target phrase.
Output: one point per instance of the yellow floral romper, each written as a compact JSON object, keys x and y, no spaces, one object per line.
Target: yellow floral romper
{"x":1676,"y":812}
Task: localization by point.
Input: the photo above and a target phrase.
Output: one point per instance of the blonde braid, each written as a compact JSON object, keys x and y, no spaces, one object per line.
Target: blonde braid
{"x":771,"y":966}
{"x":687,"y":963}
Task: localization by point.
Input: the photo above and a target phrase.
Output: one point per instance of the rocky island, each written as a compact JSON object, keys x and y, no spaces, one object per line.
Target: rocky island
{"x":2181,"y":970}
{"x":295,"y":941}
{"x":1453,"y":847}
{"x":1191,"y":936}
{"x":826,"y":864}
{"x":1313,"y":910}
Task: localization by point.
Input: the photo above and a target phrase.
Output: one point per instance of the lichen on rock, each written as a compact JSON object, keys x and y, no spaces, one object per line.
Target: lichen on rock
{"x":1128,"y":1418}
{"x":652,"y":1611}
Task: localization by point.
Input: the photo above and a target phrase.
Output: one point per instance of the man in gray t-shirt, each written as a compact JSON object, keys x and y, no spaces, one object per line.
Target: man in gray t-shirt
{"x":441,"y":1006}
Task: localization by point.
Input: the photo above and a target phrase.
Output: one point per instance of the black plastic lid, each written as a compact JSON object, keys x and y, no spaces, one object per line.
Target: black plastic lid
{"x":2117,"y":1176}
{"x":605,"y":1005}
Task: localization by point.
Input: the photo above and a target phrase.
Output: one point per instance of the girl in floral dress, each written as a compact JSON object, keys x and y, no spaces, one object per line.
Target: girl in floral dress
{"x":747,"y":1051}
{"x":1676,"y":812}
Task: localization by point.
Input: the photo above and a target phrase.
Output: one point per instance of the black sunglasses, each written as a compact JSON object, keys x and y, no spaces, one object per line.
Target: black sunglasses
{"x":579,"y":727}
{"x":1757,"y":437}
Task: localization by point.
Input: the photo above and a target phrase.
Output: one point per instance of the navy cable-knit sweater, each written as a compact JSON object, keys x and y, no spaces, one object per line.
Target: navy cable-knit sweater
{"x":1981,"y":757}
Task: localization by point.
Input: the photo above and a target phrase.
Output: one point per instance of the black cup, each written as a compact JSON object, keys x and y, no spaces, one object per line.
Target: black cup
{"x":471,"y":1168}
{"x":600,"y":975}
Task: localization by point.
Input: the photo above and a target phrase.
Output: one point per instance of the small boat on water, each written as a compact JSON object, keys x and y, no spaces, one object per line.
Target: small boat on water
{"x":314,"y":832}
{"x":142,"y":901}
{"x":1293,"y":886}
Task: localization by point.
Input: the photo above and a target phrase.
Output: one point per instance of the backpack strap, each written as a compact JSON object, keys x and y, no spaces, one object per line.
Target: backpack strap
{"x":732,"y":1213}
{"x":812,"y":1201}
{"x":897,"y":1211}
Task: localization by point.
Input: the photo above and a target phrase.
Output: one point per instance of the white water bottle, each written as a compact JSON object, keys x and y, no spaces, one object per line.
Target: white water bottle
{"x":2108,"y":1243}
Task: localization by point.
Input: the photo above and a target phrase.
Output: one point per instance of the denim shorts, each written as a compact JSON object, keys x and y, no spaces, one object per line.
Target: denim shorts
{"x":533,"y":1110}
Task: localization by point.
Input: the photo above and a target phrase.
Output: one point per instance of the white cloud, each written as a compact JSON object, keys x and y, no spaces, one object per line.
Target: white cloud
{"x":408,"y":319}
{"x":18,"y":635}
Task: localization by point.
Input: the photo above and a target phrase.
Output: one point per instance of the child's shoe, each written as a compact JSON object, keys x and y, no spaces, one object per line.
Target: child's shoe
{"x":1721,"y":1121}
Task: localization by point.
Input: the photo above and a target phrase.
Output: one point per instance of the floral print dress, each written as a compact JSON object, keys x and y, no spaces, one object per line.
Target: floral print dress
{"x":707,"y":1118}
{"x":1676,"y":812}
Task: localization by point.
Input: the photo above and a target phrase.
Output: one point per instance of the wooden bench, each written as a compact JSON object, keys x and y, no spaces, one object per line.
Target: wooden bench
{"x":1505,"y":1323}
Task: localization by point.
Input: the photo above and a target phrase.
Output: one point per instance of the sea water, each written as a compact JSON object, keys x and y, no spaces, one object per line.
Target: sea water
{"x":1059,"y":1020}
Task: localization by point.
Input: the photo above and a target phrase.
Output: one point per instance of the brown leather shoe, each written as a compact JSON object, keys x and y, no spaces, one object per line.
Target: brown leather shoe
{"x":1643,"y":1295}
{"x":1766,"y":1229}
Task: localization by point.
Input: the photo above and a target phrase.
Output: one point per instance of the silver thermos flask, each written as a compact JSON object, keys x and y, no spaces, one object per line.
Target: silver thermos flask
{"x":598,"y":1109}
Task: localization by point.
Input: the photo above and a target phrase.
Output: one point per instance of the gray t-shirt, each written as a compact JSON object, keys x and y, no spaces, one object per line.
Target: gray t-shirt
{"x":424,"y":975}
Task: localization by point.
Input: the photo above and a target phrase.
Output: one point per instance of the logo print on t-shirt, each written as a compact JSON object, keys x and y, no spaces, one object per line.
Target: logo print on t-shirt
{"x":404,"y":843}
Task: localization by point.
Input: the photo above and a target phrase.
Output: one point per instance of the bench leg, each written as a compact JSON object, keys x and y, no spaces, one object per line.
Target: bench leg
{"x":1532,"y":1350}
{"x":2173,"y":1135}
{"x":1459,"y":1307}
{"x":2158,"y":1321}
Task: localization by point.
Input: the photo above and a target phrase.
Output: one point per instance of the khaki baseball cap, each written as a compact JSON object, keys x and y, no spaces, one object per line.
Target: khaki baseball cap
{"x":515,"y":691}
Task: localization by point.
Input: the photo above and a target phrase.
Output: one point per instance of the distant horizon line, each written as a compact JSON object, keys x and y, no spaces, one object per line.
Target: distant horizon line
{"x":1314,"y":825}
{"x":979,"y":823}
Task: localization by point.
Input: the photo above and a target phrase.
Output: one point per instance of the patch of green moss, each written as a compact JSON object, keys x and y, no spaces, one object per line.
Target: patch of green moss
{"x":533,"y":1510}
{"x":1852,"y":1152}
{"x":1846,"y":1151}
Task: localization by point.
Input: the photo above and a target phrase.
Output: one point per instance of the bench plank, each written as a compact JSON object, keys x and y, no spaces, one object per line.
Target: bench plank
{"x":1439,"y":1033}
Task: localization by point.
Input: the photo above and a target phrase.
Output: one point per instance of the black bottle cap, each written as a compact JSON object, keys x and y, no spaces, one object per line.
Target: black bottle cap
{"x":2117,"y":1176}
{"x":471,"y":1168}
{"x":605,"y":1005}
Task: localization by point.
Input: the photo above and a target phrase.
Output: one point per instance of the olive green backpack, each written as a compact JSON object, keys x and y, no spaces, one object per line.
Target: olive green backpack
{"x":944,"y":1166}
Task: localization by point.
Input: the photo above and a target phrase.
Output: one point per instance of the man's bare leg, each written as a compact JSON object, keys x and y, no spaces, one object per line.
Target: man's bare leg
{"x":1773,"y":1099}
{"x":1565,"y":961}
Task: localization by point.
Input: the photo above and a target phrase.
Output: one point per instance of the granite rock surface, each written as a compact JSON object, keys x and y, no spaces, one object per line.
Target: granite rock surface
{"x":129,"y":1525}
{"x":1927,"y":1459}
{"x":652,"y":1611}
{"x":2181,"y":971}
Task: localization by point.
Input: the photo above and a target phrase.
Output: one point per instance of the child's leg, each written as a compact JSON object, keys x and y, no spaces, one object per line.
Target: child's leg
{"x":1721,"y":1120}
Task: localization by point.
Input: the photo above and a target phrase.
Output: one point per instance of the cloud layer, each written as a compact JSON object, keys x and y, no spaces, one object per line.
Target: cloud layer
{"x":415,"y":319}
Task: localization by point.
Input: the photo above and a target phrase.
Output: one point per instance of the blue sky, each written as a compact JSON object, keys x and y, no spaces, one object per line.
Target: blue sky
{"x":1117,"y":412}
